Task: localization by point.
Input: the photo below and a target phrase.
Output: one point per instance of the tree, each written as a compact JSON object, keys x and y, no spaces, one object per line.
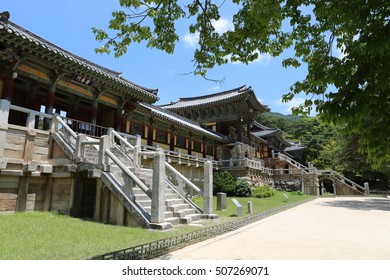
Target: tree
{"x":224,"y":182}
{"x":328,"y":148}
{"x":345,"y":45}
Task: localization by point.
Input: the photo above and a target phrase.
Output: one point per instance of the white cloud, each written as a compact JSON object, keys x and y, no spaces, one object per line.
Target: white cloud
{"x":191,"y":40}
{"x":222,"y":25}
{"x":338,"y":52}
{"x":285,"y":108}
{"x":263,"y":58}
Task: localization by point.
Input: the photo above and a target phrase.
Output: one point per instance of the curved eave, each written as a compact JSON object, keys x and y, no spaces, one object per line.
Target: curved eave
{"x":282,"y":139}
{"x":170,"y":117}
{"x":295,"y":148}
{"x":238,"y":94}
{"x":27,"y":41}
{"x":259,"y":139}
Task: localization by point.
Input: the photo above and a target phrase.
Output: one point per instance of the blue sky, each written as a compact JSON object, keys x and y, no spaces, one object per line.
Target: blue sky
{"x":68,"y":24}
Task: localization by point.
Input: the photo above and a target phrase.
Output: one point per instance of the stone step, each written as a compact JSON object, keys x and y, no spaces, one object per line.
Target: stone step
{"x":189,"y":219}
{"x":142,"y":197}
{"x":172,"y":196}
{"x":144,"y":203}
{"x":173,"y":220}
{"x":178,"y":207}
{"x":173,"y":201}
{"x":184,"y":212}
{"x":168,"y":214}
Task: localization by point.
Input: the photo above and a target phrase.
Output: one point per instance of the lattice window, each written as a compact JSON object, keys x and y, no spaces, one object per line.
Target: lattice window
{"x":161,"y":136}
{"x":197,"y":146}
{"x":181,"y":142}
{"x":137,"y":128}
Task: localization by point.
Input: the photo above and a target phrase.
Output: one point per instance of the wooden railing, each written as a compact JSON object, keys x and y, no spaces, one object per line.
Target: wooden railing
{"x":86,"y":128}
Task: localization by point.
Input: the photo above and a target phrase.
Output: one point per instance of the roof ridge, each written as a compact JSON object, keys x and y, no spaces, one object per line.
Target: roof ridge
{"x":28,"y":32}
{"x":241,"y":88}
{"x":32,"y":36}
{"x":170,"y":113}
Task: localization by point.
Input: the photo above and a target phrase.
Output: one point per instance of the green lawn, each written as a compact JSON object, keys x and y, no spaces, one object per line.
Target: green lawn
{"x":46,"y":235}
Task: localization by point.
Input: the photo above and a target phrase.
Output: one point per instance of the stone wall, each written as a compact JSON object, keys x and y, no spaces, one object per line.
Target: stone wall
{"x":308,"y":183}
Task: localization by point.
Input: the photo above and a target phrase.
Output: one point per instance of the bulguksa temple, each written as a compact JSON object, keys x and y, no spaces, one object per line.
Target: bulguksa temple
{"x":80,"y":139}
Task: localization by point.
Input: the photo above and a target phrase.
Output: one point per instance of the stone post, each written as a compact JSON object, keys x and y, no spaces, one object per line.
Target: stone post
{"x":208,"y":191}
{"x":110,"y":134}
{"x":79,"y":151}
{"x":54,"y":124}
{"x":137,"y":150}
{"x":367,"y":188}
{"x":5,"y":106}
{"x":30,"y":122}
{"x":250,"y":207}
{"x":221,"y":201}
{"x":4,"y":113}
{"x":158,"y":188}
{"x":208,"y":188}
{"x":105,"y":143}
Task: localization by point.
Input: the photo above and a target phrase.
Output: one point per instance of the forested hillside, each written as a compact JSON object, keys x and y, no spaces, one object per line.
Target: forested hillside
{"x":329,"y":149}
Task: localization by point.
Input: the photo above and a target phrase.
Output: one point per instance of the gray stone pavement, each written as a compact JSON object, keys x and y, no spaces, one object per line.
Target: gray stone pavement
{"x":342,"y":228}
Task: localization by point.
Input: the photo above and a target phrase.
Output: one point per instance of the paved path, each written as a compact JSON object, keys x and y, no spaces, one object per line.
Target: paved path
{"x":349,"y":228}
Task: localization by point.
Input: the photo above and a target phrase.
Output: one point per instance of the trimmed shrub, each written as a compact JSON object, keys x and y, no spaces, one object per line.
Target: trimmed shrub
{"x":297,"y":193}
{"x":224,"y":182}
{"x":263,"y":191}
{"x":243,"y":189}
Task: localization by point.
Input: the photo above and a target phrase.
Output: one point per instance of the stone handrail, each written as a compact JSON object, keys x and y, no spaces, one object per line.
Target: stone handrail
{"x":177,"y":155}
{"x":182,"y":177}
{"x":343,"y":179}
{"x":126,"y":170}
{"x":6,"y":106}
{"x":66,"y":126}
{"x":244,"y":162}
{"x":123,"y":140}
{"x":293,"y":162}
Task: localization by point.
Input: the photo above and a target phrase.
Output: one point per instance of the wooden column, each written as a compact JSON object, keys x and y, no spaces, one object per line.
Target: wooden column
{"x":150,"y":135}
{"x":172,"y":139}
{"x":50,"y":100}
{"x":239,"y":130}
{"x":8,"y":87}
{"x":94,"y":110}
{"x":118,"y":119}
{"x":189,"y":148}
{"x":248,"y":127}
{"x":204,"y":143}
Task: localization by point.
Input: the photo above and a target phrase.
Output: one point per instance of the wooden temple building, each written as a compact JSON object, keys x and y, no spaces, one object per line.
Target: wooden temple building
{"x":78,"y":138}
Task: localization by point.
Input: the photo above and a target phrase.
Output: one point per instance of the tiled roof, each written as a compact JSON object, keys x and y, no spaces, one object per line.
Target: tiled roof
{"x":175,"y":118}
{"x":48,"y":47}
{"x":295,"y":147}
{"x":267,"y":133}
{"x":230,"y":95}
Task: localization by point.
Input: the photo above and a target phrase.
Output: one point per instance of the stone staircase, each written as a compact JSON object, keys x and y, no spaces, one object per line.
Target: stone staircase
{"x":340,"y":179}
{"x":178,"y":209}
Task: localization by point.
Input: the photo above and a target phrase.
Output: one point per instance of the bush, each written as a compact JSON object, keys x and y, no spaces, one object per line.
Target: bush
{"x":263,"y":191}
{"x":243,"y":189}
{"x":297,"y":193}
{"x":224,"y":182}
